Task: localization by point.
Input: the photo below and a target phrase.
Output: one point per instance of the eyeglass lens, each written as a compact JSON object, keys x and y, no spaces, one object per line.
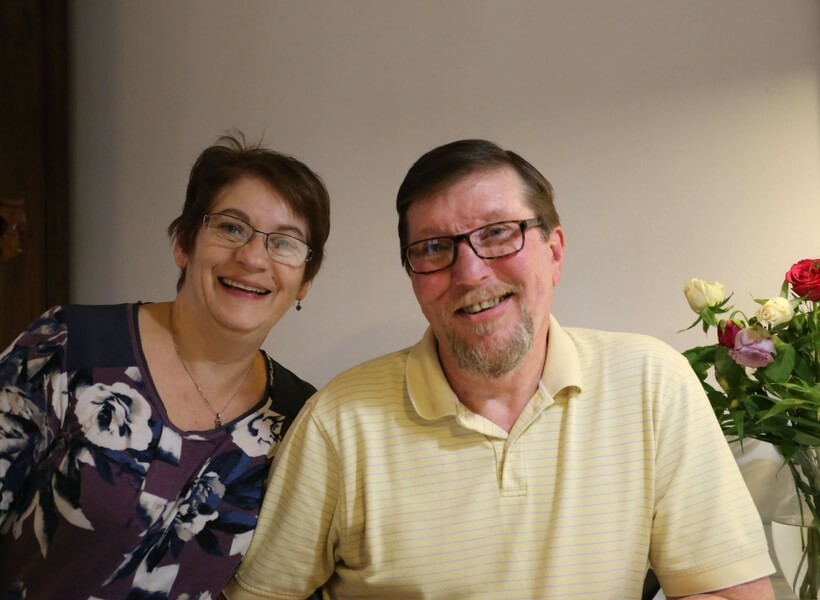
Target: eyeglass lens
{"x":281,"y":247}
{"x":490,"y":241}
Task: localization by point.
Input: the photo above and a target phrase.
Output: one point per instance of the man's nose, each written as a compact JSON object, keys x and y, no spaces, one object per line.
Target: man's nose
{"x":467,"y":265}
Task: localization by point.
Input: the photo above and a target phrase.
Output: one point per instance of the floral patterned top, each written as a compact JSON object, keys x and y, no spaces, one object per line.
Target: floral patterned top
{"x":101,"y":496}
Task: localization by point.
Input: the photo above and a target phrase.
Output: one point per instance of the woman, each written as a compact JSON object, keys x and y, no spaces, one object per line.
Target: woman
{"x":135,"y":439}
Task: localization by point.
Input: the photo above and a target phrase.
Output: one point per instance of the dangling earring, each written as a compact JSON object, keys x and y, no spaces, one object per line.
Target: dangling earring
{"x":298,"y":304}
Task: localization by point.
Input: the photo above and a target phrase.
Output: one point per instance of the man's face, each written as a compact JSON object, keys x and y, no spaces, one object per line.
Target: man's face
{"x":486,"y":314}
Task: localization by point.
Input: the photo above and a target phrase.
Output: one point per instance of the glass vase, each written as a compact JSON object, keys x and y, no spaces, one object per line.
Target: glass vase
{"x":796,"y":526}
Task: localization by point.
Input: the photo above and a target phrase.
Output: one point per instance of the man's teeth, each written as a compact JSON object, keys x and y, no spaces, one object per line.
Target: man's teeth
{"x":244,"y":288}
{"x":474,"y":308}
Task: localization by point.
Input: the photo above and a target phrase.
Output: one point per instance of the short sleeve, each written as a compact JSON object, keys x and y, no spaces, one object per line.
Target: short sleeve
{"x":32,"y":404}
{"x":706,"y":531}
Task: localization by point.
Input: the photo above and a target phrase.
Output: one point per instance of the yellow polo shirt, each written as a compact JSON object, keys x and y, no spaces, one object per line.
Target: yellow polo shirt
{"x":387,"y":487}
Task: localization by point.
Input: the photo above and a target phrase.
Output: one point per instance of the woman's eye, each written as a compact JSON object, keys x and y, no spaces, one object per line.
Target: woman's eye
{"x":283,"y":243}
{"x":231,"y":229}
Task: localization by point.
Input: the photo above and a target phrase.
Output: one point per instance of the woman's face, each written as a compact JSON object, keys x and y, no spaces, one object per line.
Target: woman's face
{"x":241,"y":289}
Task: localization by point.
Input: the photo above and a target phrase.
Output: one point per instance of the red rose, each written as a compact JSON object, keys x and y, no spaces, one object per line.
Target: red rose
{"x":727,"y":332}
{"x":804,"y":276}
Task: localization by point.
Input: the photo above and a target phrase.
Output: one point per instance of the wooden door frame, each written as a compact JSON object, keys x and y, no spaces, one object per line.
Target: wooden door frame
{"x":34,"y":157}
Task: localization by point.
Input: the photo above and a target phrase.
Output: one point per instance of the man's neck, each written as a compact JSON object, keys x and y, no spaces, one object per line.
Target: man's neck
{"x":501,"y":399}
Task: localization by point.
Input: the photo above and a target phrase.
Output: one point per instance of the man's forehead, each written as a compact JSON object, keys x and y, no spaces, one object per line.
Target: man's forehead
{"x":479,"y":176}
{"x":482,"y":194}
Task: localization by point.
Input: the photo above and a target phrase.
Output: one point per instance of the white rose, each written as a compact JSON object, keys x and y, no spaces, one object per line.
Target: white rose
{"x":774,"y":312}
{"x":114,"y":416}
{"x":701,"y":294}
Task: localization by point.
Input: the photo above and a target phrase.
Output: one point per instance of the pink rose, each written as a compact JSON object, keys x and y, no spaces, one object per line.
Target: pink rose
{"x":727,"y":332}
{"x":805,"y":278}
{"x":753,"y":348}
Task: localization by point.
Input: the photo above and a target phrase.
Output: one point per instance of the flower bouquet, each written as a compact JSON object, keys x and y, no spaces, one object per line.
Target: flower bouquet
{"x":765,"y":384}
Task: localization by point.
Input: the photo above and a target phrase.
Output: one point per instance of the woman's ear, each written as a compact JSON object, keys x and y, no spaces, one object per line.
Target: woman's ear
{"x":303,"y":291}
{"x":180,"y":256}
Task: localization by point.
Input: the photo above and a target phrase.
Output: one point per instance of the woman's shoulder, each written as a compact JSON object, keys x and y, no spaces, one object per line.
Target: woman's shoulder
{"x":95,"y":316}
{"x":100,"y":334}
{"x":288,"y":391}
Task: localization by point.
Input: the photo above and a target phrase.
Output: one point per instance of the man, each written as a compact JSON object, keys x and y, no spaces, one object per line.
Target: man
{"x":503,"y":456}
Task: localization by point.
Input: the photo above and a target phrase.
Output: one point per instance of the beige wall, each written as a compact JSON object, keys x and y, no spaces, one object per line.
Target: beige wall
{"x":682,"y":137}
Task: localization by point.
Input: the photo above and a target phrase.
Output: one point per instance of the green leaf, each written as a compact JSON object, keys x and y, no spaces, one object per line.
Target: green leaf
{"x":708,"y":316}
{"x":780,"y":406}
{"x":806,"y":439}
{"x":738,"y":417}
{"x":810,"y":393}
{"x":728,"y":373}
{"x":781,"y":368}
{"x":698,"y":320}
{"x":701,"y":359}
{"x":809,"y":423}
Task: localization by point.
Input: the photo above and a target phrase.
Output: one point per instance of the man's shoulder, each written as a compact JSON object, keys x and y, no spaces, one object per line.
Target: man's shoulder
{"x":608,"y":336}
{"x":621,"y":361}
{"x":601,"y":342}
{"x":376,"y":376}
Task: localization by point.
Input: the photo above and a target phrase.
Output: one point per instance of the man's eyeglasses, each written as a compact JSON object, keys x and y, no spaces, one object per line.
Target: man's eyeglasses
{"x":495,"y":240}
{"x":235,"y":232}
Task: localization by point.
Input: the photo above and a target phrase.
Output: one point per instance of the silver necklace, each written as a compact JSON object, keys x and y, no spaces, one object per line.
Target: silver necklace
{"x":217,"y":413}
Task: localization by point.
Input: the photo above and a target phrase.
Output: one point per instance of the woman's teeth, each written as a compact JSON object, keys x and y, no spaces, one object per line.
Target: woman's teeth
{"x":244,"y":288}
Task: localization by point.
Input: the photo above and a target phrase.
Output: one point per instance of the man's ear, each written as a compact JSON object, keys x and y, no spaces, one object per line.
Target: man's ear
{"x":556,"y":244}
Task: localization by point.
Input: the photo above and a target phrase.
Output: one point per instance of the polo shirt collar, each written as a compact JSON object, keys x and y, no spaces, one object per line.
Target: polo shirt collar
{"x":562,"y":369}
{"x":433,"y":398}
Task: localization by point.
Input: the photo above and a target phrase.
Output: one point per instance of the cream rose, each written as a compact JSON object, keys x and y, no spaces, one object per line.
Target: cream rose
{"x":775,"y":311}
{"x":702,"y":294}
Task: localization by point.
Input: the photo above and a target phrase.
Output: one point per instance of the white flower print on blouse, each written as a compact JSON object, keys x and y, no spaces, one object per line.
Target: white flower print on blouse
{"x":259,"y":433}
{"x":171,"y":523}
{"x":197,"y":509}
{"x":20,"y":419}
{"x":114,"y":417}
{"x":5,"y":495}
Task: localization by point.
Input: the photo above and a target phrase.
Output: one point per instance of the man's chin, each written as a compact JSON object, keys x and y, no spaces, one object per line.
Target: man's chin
{"x":489,"y":358}
{"x":490,"y":350}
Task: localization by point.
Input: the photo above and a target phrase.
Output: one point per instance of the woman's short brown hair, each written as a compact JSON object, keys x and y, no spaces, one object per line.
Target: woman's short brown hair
{"x":232,"y":159}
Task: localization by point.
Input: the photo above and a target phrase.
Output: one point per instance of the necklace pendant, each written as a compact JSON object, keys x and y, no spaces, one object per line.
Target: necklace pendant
{"x":217,"y":415}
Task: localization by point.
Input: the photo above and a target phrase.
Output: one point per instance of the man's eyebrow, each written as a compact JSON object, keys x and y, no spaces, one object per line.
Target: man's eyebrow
{"x":432,"y":231}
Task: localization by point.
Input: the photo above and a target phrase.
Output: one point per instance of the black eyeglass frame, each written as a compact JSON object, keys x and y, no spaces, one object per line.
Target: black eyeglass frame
{"x":265,"y":234}
{"x":523,"y":225}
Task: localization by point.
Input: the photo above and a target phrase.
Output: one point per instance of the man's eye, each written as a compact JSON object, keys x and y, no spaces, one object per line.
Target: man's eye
{"x":432,"y":247}
{"x":496,"y":233}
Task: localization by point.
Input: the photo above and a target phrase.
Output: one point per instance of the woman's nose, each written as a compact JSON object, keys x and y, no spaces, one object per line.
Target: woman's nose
{"x":254,"y":251}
